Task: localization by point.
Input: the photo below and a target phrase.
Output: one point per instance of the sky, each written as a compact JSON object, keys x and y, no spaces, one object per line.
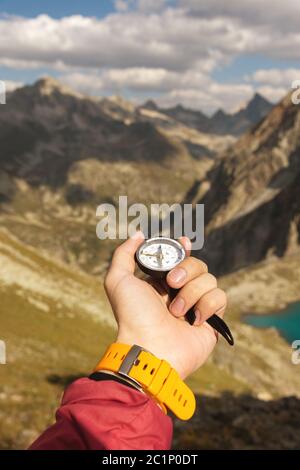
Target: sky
{"x":204,"y":54}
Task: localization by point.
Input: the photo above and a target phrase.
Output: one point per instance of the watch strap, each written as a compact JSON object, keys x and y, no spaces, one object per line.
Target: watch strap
{"x":156,"y":377}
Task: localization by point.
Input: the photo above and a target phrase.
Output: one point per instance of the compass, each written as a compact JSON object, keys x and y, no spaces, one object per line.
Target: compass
{"x":156,"y":257}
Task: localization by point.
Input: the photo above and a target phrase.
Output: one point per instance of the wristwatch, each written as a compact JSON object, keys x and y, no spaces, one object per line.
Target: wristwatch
{"x":155,"y":376}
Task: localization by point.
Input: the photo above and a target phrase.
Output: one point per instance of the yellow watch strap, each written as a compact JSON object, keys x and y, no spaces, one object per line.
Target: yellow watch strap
{"x":156,"y":376}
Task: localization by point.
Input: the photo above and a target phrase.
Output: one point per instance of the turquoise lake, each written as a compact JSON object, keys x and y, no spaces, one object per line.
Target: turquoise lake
{"x":287,"y":321}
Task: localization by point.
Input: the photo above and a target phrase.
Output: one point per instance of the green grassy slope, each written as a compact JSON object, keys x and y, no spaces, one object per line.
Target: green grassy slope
{"x":56,"y":325}
{"x":56,"y":322}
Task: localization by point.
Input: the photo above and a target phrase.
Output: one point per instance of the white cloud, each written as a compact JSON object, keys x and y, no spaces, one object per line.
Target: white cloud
{"x":272,"y":25}
{"x":171,"y":40}
{"x":141,"y":78}
{"x":275,"y":77}
{"x":273,"y":83}
{"x":149,"y":46}
{"x":273,"y":94}
{"x":88,"y":83}
{"x":193,"y":89}
{"x":135,"y":79}
{"x":146,"y":79}
{"x":255,"y":13}
{"x":210,"y":97}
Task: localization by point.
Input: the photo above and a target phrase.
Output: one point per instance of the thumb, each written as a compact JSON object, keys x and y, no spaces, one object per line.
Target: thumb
{"x":123,"y":262}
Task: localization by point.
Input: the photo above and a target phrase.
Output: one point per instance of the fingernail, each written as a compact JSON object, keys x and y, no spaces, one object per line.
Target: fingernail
{"x":177,"y":306}
{"x":137,"y":235}
{"x":177,"y":275}
{"x":188,"y":244}
{"x":198,"y":320}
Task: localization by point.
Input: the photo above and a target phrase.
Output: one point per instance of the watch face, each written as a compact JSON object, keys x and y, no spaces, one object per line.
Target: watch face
{"x":160,"y":254}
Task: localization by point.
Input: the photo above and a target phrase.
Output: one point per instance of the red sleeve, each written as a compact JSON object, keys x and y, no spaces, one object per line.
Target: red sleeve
{"x":106,"y":415}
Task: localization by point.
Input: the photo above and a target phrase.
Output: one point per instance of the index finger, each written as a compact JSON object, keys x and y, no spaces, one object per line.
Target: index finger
{"x":189,"y":269}
{"x":187,"y":245}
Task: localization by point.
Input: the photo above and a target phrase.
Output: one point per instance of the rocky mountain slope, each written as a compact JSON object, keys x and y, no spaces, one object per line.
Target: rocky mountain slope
{"x":252,"y":194}
{"x":189,"y":117}
{"x":221,"y":123}
{"x":62,"y":154}
{"x":241,"y":121}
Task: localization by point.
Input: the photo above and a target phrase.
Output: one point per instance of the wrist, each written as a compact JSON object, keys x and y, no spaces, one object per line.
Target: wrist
{"x":159,"y":349}
{"x":156,"y":376}
{"x":120,"y":378}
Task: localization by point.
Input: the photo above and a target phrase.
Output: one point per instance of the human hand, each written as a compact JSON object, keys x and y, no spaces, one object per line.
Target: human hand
{"x":146,"y":317}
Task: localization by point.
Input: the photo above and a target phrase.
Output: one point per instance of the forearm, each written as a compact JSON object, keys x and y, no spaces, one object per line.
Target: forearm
{"x":106,"y":415}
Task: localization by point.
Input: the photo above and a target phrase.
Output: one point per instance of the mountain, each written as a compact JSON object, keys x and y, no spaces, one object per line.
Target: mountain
{"x":239,"y":122}
{"x":150,"y":104}
{"x":221,"y":123}
{"x":257,"y":108}
{"x":253,"y":193}
{"x":62,"y":122}
{"x":188,"y":117}
{"x":63,"y":153}
{"x":118,"y":109}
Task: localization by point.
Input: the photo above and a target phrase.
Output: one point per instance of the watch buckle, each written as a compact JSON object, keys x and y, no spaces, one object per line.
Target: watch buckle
{"x":129,"y":360}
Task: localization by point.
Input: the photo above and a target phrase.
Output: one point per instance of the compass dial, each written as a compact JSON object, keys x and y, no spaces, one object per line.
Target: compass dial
{"x":160,"y":254}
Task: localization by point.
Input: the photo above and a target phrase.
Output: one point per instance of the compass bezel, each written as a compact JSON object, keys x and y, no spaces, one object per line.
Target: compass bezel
{"x":161,"y":240}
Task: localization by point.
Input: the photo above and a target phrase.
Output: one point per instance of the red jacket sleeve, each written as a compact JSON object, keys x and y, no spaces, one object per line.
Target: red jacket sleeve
{"x":106,"y":415}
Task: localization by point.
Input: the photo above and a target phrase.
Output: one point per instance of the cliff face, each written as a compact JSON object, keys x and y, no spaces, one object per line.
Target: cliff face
{"x":252,"y":204}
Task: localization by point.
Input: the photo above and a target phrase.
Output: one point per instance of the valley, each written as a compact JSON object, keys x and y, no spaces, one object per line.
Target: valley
{"x":73,"y":152}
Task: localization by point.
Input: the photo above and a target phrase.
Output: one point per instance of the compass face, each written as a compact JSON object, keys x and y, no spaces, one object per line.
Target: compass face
{"x":160,"y":254}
